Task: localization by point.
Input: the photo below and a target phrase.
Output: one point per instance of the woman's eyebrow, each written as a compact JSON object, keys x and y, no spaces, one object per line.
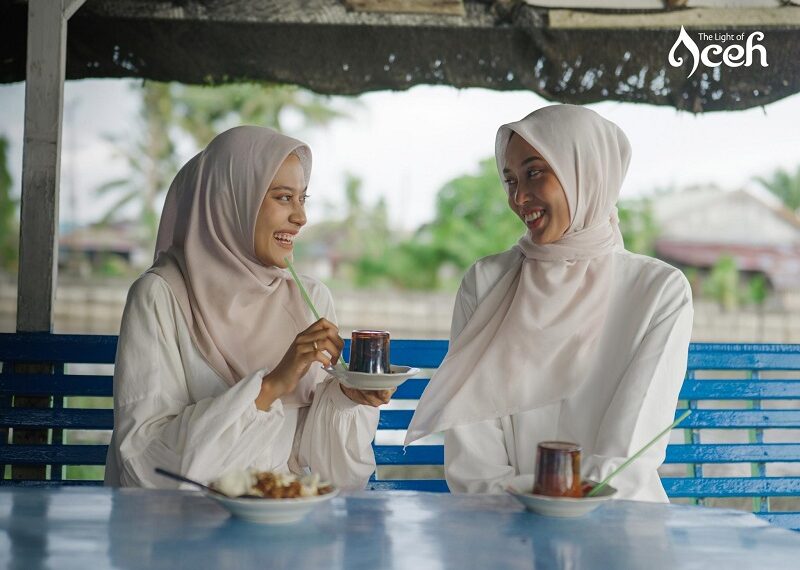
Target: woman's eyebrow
{"x":284,"y":187}
{"x":524,"y":162}
{"x":531,"y":159}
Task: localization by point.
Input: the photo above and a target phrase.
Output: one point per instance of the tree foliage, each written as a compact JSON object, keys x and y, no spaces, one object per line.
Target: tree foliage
{"x":9,"y":220}
{"x":785,"y":185}
{"x":722,"y":283}
{"x":360,"y":231}
{"x":472,"y":220}
{"x":638,"y":226}
{"x":205,"y":111}
{"x":151,"y":163}
{"x":202,"y":113}
{"x":731,"y":288}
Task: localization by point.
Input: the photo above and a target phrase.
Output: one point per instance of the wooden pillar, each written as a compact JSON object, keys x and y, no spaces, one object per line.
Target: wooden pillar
{"x":41,"y":164}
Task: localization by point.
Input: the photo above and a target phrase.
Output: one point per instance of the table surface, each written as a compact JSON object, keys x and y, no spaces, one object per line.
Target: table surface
{"x":135,"y":528}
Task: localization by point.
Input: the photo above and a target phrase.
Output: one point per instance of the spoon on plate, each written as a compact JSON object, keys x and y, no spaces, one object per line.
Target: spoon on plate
{"x":182,"y":479}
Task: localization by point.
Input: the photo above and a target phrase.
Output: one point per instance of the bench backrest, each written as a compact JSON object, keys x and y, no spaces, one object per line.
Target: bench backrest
{"x":744,"y":399}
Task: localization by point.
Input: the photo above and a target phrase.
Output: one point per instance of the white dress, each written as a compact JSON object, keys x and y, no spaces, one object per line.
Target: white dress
{"x":630,"y":397}
{"x":172,"y":410}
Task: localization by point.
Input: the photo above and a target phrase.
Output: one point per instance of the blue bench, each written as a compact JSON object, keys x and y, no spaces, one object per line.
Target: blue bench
{"x":757,"y":400}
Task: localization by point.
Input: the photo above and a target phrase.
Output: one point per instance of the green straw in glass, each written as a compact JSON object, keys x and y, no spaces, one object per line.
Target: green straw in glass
{"x":605,"y":481}
{"x":306,"y":298}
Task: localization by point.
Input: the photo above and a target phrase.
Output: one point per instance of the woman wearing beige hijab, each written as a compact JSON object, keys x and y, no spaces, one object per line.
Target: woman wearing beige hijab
{"x":567,"y":336}
{"x":217,"y":368}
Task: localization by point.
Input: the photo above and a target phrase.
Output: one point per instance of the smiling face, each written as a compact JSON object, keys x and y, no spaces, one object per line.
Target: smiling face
{"x":282,"y":214}
{"x":534,"y":192}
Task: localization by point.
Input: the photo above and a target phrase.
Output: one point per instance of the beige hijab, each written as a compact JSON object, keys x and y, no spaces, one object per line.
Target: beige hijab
{"x":532,"y":339}
{"x":241,"y":314}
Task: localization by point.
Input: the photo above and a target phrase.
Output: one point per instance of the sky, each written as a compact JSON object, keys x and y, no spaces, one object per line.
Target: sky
{"x":407,"y":145}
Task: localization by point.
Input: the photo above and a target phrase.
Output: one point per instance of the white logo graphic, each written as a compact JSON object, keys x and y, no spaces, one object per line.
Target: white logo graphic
{"x":734,"y":55}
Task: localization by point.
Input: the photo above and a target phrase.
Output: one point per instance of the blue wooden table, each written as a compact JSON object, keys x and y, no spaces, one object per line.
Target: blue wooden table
{"x":103,"y":528}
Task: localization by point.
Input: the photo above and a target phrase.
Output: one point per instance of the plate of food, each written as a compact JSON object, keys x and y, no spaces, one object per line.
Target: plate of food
{"x":559,"y":506}
{"x":268,"y":497}
{"x":265,"y":497}
{"x":373,"y":381}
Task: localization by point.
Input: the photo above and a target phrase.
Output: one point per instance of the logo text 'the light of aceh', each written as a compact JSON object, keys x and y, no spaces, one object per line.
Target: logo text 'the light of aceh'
{"x":734,"y":55}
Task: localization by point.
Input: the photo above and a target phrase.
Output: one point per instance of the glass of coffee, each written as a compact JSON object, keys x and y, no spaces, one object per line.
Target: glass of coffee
{"x":558,"y":469}
{"x":369,"y":352}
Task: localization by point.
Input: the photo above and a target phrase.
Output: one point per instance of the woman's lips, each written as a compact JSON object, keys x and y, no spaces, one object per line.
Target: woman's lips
{"x":534,"y":219}
{"x":532,"y":225}
{"x":284,"y":240}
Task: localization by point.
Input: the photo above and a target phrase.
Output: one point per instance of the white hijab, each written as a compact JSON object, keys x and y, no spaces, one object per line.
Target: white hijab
{"x":241,"y":314}
{"x":532,"y":339}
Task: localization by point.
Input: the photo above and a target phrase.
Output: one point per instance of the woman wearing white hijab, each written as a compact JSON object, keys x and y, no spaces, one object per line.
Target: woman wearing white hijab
{"x":567,"y":336}
{"x":217,"y":368}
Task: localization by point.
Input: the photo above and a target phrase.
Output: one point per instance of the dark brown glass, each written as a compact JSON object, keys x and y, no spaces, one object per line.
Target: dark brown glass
{"x":558,"y":469}
{"x":369,"y":352}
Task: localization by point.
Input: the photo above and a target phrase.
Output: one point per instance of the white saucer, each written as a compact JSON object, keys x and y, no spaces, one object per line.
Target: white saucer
{"x":367,"y":381}
{"x":561,"y":506}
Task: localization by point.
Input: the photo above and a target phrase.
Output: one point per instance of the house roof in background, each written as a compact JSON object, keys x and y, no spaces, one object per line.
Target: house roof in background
{"x":554,"y":48}
{"x":781,"y":264}
{"x":710,"y":215}
{"x":700,"y":225}
{"x":119,"y":237}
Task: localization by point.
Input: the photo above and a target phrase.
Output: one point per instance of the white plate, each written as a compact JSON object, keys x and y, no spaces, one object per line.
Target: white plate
{"x":272,"y":511}
{"x":561,"y":506}
{"x":367,"y":381}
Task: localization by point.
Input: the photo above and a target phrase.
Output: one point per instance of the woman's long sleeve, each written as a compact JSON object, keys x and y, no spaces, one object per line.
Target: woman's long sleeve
{"x":156,"y":422}
{"x":475,"y":456}
{"x":644,"y":403}
{"x":337,"y":436}
{"x":476,"y":459}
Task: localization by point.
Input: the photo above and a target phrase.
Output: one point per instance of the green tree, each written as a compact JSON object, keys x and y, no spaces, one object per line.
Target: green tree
{"x":151,"y":163}
{"x":722,"y":283}
{"x":361,"y":232}
{"x":472,"y":220}
{"x":757,"y":290}
{"x":638,"y":226}
{"x":366,"y":228}
{"x":201,"y":112}
{"x":9,"y":221}
{"x":205,"y":111}
{"x":785,"y":185}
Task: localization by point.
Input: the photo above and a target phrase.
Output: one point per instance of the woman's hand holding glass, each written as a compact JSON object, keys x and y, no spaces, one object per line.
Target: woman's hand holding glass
{"x":318,"y":343}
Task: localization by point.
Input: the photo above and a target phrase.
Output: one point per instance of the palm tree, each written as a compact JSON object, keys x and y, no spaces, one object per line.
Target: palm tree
{"x":784,"y":185}
{"x":151,"y":163}
{"x":203,"y":112}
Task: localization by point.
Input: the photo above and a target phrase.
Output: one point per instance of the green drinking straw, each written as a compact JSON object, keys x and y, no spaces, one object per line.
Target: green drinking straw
{"x":306,"y":298}
{"x":605,"y":481}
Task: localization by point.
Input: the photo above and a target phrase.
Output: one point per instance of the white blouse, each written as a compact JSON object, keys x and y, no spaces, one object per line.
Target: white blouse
{"x":632,"y":395}
{"x":172,"y":410}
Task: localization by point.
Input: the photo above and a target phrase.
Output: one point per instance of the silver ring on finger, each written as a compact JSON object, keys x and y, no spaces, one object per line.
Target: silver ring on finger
{"x":316,"y":348}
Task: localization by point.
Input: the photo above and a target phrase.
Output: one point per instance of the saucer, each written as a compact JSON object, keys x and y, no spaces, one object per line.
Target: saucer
{"x":562,"y":506}
{"x":367,"y":381}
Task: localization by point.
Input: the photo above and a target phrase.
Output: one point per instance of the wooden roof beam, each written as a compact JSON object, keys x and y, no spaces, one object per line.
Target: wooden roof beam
{"x":710,"y":18}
